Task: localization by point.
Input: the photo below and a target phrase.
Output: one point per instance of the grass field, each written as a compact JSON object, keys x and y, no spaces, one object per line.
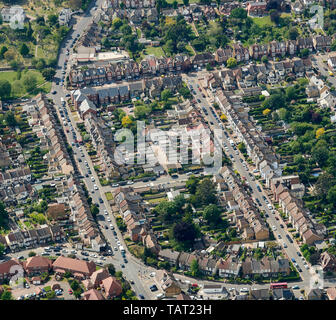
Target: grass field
{"x":18,"y":88}
{"x":263,"y":21}
{"x":156,"y":51}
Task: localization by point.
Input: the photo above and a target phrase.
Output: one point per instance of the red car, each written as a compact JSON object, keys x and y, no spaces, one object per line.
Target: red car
{"x":70,"y":291}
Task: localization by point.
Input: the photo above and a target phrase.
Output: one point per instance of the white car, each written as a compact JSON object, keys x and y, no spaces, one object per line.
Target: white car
{"x":92,"y":179}
{"x":95,"y":187}
{"x":118,"y":243}
{"x":270,"y":207}
{"x":105,"y":212}
{"x":274,"y":228}
{"x":108,"y":220}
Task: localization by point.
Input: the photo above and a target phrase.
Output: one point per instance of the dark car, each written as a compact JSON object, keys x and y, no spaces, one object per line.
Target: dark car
{"x":174,"y":176}
{"x":281,"y":226}
{"x":299,"y":254}
{"x":101,"y":200}
{"x":79,"y":160}
{"x":141,"y":296}
{"x":153,"y":288}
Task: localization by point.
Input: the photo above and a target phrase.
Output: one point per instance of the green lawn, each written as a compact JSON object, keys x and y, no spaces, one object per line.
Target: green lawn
{"x":156,"y":51}
{"x":263,"y":21}
{"x":18,"y":88}
{"x":109,"y":196}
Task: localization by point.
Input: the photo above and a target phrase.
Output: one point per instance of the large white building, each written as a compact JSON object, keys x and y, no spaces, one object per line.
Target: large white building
{"x":14,"y":13}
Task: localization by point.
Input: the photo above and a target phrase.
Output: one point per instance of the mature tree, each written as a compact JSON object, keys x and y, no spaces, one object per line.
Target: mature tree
{"x":184,"y":232}
{"x":111,"y":269}
{"x":166,"y":94}
{"x":142,"y":111}
{"x":331,"y":196}
{"x":320,"y":153}
{"x":167,"y":211}
{"x":238,"y":13}
{"x":319,"y":132}
{"x":266,"y":112}
{"x":117,"y":23}
{"x":324,"y":182}
{"x":31,"y":254}
{"x":231,"y":62}
{"x":6,"y":295}
{"x":291,"y":93}
{"x":242,"y":148}
{"x":293,"y":33}
{"x":48,"y":73}
{"x":52,"y":19}
{"x":126,"y":121}
{"x":191,"y":184}
{"x":186,"y":2}
{"x":264,"y":59}
{"x":274,"y":16}
{"x":5,"y":89}
{"x":126,"y":29}
{"x":194,"y":268}
{"x":206,"y":192}
{"x":275,"y":101}
{"x":3,"y":50}
{"x":10,"y":119}
{"x":174,"y":4}
{"x":24,"y":50}
{"x":2,"y":249}
{"x":29,"y":81}
{"x":283,"y":114}
{"x":304,"y":53}
{"x":212,"y":214}
{"x":94,"y":210}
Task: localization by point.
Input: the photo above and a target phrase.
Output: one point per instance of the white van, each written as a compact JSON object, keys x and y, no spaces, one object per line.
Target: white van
{"x":160,"y":296}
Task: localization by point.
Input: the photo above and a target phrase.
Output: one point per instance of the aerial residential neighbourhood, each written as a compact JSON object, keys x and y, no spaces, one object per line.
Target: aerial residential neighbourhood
{"x":167,"y":150}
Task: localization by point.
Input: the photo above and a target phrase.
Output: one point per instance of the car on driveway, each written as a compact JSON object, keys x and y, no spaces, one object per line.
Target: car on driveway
{"x":141,"y":297}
